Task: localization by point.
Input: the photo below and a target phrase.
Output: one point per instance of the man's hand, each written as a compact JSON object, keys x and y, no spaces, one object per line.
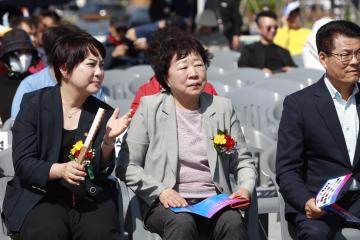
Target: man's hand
{"x":235,"y":42}
{"x":170,"y":198}
{"x":312,"y":211}
{"x":267,"y":71}
{"x":287,"y":68}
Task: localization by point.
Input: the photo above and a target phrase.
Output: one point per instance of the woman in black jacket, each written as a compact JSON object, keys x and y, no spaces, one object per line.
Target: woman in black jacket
{"x":51,"y":196}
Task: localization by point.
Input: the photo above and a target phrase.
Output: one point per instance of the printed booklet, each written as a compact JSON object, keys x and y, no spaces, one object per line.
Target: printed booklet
{"x":328,"y":194}
{"x":211,"y":205}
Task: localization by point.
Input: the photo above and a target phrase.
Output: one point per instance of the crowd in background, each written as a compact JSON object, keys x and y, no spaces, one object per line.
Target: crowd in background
{"x":216,"y":24}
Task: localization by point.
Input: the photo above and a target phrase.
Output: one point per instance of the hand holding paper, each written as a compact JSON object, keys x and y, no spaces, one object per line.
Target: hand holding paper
{"x":242,"y":192}
{"x":170,"y":198}
{"x":312,"y":211}
{"x":211,"y":205}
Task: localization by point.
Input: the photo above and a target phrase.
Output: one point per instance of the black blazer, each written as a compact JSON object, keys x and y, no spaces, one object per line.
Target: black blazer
{"x":253,"y":55}
{"x":311,"y":146}
{"x":37,"y":140}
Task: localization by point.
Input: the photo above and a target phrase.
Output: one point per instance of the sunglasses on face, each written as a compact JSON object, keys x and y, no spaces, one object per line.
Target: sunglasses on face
{"x":268,"y":28}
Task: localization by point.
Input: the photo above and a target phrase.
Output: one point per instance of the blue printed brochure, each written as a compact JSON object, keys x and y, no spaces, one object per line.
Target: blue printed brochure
{"x":328,"y":194}
{"x":211,"y":205}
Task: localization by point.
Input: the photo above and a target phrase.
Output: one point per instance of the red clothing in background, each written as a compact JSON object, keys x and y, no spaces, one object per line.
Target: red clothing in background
{"x":154,"y":87}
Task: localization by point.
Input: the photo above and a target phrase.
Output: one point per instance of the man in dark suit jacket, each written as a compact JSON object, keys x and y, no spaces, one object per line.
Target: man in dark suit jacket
{"x":265,"y":54}
{"x":318,"y":136}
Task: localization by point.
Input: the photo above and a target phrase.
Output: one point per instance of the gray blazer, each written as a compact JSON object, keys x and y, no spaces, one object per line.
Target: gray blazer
{"x":148,"y":159}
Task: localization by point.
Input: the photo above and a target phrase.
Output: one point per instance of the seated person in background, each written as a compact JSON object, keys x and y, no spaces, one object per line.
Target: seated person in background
{"x":45,"y":77}
{"x":310,"y":54}
{"x":292,"y":36}
{"x":33,"y":27}
{"x":318,"y":136}
{"x":264,"y":54}
{"x":168,"y":157}
{"x":208,"y":32}
{"x":121,"y":52}
{"x":21,"y":59}
{"x":50,"y":18}
{"x":52,"y":196}
{"x":140,"y":35}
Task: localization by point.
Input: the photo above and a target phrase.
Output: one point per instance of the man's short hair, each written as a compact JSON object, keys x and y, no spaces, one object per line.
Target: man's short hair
{"x":265,"y":13}
{"x":326,"y":34}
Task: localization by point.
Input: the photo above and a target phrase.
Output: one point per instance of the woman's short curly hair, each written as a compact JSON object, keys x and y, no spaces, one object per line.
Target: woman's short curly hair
{"x":170,"y":41}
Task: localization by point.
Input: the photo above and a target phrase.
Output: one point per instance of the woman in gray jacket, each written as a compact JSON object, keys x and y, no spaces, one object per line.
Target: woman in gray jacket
{"x":168,"y":157}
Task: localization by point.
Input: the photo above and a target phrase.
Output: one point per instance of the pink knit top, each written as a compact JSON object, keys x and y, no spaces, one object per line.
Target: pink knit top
{"x":194,"y":179}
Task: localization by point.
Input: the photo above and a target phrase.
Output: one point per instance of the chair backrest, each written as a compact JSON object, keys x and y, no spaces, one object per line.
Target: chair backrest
{"x":122,"y":104}
{"x":255,"y":108}
{"x":307,"y":76}
{"x":225,"y":59}
{"x":133,"y":84}
{"x":222,"y":87}
{"x":6,"y":174}
{"x":114,"y":83}
{"x":214,"y":73}
{"x":5,"y":139}
{"x":258,"y":142}
{"x":282,"y":86}
{"x":6,"y":163}
{"x":140,"y":71}
{"x":247,"y":76}
{"x":8,"y":124}
{"x":298,"y":60}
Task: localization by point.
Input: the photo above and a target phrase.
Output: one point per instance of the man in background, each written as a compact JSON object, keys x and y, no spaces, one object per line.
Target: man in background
{"x":264,"y":54}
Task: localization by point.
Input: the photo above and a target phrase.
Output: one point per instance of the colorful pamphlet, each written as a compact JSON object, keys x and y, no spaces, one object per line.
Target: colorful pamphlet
{"x":211,"y":205}
{"x":328,"y":195}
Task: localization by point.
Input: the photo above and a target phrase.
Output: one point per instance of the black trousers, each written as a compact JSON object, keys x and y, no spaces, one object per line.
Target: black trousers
{"x":51,"y":220}
{"x":227,"y":224}
{"x":326,"y":227}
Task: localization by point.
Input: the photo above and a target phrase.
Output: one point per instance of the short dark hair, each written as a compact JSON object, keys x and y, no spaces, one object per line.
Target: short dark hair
{"x":265,"y":13}
{"x":71,"y":49}
{"x":17,"y":21}
{"x":170,"y":41}
{"x":326,"y":34}
{"x":51,"y":14}
{"x":51,"y":34}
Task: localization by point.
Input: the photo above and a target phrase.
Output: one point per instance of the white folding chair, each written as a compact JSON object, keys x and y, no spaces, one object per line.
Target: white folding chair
{"x":282,"y":86}
{"x":256,"y":108}
{"x":225,"y":59}
{"x":307,"y":76}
